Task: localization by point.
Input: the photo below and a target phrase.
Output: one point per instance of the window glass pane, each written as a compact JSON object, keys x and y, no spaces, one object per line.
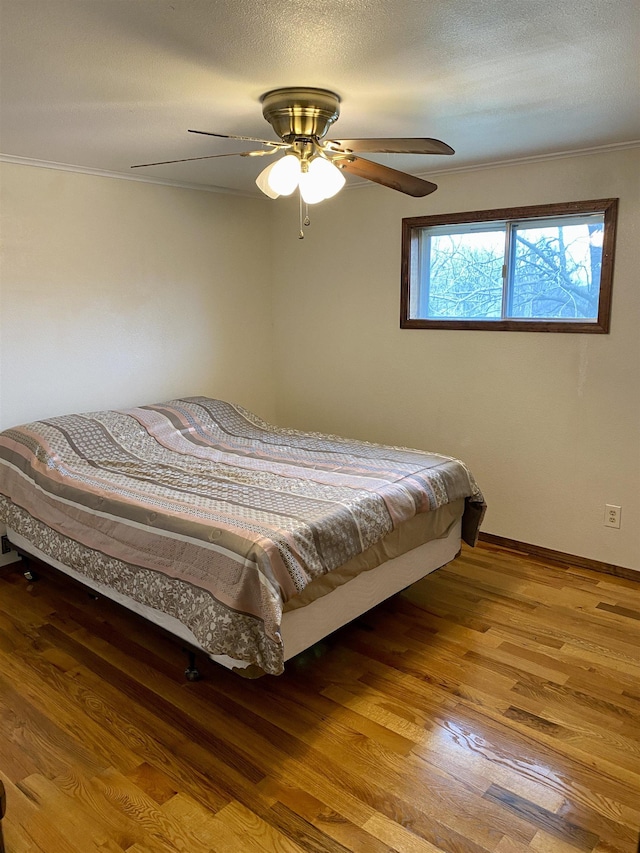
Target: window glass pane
{"x":461,"y":275}
{"x":556,"y":269}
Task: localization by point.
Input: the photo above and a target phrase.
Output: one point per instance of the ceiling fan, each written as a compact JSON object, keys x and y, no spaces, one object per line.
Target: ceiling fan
{"x":301,"y":117}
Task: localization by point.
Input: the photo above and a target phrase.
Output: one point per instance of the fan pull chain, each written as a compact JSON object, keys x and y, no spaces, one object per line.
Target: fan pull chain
{"x":300,"y":232}
{"x":304,"y":216}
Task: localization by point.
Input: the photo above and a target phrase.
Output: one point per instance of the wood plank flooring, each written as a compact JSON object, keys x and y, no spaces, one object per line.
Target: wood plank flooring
{"x":494,"y":707}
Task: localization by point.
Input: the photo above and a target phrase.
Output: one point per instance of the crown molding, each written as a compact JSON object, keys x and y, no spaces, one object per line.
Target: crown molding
{"x":122,"y":176}
{"x":475,"y":167}
{"x":536,"y":158}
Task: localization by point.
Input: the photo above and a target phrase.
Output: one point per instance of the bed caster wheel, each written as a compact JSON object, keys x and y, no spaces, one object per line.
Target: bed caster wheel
{"x":191,"y":673}
{"x":93,"y":596}
{"x":30,"y":575}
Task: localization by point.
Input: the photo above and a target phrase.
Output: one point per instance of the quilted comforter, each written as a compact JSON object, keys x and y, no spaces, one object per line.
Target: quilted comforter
{"x":200,"y":509}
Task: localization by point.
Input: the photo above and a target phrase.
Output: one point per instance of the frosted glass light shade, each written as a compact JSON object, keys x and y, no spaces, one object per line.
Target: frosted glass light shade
{"x":331,"y":176}
{"x":262,"y":181}
{"x":284,"y":176}
{"x":322,"y":180}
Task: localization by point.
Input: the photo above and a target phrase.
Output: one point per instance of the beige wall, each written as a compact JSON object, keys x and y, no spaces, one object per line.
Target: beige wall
{"x":115,"y":293}
{"x":549,"y":423}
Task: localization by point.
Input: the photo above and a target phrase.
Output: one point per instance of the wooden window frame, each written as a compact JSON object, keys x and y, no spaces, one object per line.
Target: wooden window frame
{"x":412,"y":226}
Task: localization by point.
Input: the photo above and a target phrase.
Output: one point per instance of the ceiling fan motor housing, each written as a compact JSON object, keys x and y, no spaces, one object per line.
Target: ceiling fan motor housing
{"x":299,"y":111}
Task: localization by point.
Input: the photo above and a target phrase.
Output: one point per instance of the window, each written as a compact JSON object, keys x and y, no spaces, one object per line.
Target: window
{"x":544,"y":269}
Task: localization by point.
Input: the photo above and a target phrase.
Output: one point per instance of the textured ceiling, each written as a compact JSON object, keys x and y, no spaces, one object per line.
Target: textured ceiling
{"x":105,"y":84}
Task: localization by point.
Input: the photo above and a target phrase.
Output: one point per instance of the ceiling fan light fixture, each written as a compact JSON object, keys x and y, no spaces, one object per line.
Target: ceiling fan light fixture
{"x":317,"y":179}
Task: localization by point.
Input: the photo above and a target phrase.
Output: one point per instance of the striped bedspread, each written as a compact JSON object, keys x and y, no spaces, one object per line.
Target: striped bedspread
{"x":200,"y":509}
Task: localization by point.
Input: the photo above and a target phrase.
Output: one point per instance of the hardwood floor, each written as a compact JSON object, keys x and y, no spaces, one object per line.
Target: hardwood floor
{"x":494,"y":706}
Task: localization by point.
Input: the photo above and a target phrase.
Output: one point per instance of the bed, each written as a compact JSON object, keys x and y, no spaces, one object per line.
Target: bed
{"x":245,"y":540}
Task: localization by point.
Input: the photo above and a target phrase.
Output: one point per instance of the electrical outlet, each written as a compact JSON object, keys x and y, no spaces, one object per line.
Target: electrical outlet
{"x":612,"y":515}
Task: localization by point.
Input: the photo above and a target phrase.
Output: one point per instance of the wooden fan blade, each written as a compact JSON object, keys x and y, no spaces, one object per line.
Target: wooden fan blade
{"x":415,"y":145}
{"x":208,"y":157}
{"x":243,"y":138}
{"x":392,"y":178}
